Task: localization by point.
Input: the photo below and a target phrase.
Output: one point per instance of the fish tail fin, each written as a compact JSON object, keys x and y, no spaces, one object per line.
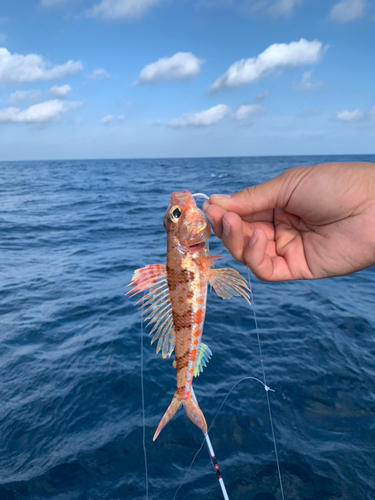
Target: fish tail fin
{"x":195,"y":413}
{"x":172,"y":408}
{"x":192,"y":411}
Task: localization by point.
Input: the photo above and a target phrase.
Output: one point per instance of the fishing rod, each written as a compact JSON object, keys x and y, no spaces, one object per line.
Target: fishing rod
{"x":212,"y":455}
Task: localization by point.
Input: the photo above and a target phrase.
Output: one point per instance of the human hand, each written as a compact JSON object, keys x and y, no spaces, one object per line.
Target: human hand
{"x":307,"y":223}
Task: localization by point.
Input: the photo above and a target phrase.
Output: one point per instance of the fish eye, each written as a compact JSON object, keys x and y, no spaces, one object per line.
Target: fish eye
{"x":175,"y":214}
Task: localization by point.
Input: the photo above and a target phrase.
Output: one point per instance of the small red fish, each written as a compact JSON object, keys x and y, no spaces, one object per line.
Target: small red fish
{"x":176,"y":300}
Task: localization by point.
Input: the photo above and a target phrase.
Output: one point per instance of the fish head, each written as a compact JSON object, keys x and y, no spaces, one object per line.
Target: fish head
{"x":186,"y":222}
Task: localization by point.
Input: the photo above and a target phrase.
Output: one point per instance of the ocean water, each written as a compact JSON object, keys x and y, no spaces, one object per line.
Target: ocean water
{"x":72,"y":232}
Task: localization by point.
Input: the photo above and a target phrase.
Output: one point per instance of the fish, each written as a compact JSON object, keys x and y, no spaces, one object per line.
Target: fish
{"x":175,"y":302}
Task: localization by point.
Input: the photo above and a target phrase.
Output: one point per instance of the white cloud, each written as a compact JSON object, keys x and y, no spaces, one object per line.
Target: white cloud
{"x":99,"y":74}
{"x":276,"y":56}
{"x":350,"y":116}
{"x":283,"y":7}
{"x":252,"y":110}
{"x":60,"y":92}
{"x":202,"y":118}
{"x":15,"y":68}
{"x":347,"y":10}
{"x":38,"y":113}
{"x":121,"y":118}
{"x":276,"y":8}
{"x":107,"y":119}
{"x":261,"y":97}
{"x":306,"y":83}
{"x":180,"y":66}
{"x":24,"y":95}
{"x":118,"y":9}
{"x":356,"y":115}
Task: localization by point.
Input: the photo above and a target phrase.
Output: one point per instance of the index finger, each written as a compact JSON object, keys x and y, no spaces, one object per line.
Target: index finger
{"x":274,"y":193}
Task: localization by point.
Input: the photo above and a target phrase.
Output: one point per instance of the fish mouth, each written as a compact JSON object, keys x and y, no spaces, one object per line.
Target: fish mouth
{"x":197,"y":246}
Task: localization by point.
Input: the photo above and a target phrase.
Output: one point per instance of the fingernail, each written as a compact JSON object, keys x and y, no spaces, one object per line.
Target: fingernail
{"x":226,"y":228}
{"x":222,"y":196}
{"x":253,"y":239}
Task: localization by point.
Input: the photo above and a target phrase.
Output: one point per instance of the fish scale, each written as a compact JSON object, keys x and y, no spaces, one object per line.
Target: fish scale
{"x":188,"y":309}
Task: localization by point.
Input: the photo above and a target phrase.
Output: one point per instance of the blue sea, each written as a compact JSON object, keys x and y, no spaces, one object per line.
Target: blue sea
{"x":72,"y":233}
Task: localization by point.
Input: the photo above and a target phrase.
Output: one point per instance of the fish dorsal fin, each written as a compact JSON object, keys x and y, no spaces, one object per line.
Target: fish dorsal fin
{"x":227,"y":282}
{"x":203,"y":358}
{"x":156,"y":304}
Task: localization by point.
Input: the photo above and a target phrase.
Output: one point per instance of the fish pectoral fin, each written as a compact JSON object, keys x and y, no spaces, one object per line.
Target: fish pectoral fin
{"x":227,"y":282}
{"x":156,"y":305}
{"x":146,"y":277}
{"x":203,"y":358}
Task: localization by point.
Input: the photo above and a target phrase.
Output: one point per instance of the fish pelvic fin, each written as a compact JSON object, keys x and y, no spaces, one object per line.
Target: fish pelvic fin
{"x":192,"y":411}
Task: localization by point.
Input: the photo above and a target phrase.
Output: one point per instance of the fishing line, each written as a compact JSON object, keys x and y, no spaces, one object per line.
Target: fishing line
{"x":213,"y":458}
{"x":201,"y":195}
{"x":143,"y":412}
{"x":265,"y":386}
{"x":267,"y":389}
{"x":206,"y":438}
{"x":212,"y":423}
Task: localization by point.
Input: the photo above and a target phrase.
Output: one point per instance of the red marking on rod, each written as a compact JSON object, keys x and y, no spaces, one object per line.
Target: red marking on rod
{"x":216,"y":467}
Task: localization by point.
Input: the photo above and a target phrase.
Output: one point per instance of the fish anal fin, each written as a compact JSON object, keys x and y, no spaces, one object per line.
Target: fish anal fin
{"x":204,"y":356}
{"x":227,"y":283}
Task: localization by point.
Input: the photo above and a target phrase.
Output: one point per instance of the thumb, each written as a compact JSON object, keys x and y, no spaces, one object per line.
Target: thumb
{"x":274,"y":193}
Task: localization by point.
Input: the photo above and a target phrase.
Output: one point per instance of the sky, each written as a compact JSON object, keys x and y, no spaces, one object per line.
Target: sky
{"x":83,"y":79}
